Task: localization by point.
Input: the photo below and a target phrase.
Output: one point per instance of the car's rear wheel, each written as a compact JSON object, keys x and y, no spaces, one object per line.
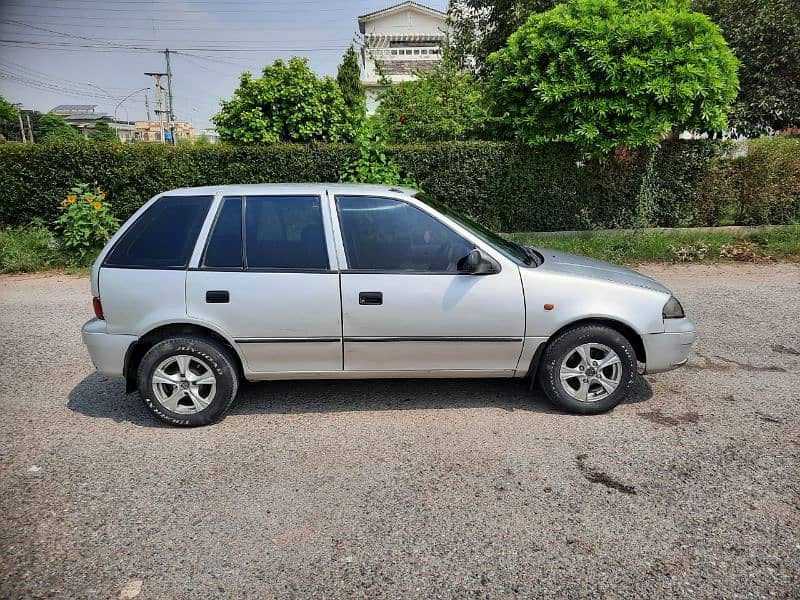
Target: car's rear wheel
{"x":187,"y":380}
{"x":588,"y":369}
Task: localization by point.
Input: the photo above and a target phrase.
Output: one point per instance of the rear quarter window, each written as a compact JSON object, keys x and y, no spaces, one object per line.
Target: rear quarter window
{"x":164,"y":236}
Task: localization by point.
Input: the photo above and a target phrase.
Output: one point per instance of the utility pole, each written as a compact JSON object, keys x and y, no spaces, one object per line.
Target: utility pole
{"x":21,"y":126}
{"x":169,"y":94}
{"x":30,"y":129}
{"x":147,"y":106}
{"x":159,"y":103}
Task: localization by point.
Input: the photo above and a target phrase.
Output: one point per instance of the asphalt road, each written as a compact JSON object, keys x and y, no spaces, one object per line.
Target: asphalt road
{"x":409,"y":488}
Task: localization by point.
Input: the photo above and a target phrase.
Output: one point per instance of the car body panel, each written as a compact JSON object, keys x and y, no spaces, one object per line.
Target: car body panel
{"x":279,"y":321}
{"x":433,"y":321}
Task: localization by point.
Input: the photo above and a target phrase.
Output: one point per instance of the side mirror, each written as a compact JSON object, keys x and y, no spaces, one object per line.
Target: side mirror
{"x":476,"y":263}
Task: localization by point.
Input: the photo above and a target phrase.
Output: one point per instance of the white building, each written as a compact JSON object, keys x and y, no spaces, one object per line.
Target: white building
{"x":399,"y":41}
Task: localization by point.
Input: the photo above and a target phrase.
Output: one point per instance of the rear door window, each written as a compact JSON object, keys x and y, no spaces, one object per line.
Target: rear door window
{"x":224,"y":249}
{"x":285,"y":232}
{"x":164,"y":236}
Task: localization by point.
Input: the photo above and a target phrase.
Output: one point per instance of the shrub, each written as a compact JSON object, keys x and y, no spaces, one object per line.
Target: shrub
{"x":510,"y":187}
{"x":440,"y":105}
{"x":85,"y":224}
{"x":609,"y":73}
{"x":371,"y":163}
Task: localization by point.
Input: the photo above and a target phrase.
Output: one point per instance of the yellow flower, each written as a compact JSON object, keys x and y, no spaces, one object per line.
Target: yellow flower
{"x":64,"y":203}
{"x":71,"y":198}
{"x":97,"y":205}
{"x":90,"y":198}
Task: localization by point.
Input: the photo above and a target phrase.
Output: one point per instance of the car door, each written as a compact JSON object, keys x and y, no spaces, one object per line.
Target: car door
{"x":265,"y":278}
{"x":405,"y":304}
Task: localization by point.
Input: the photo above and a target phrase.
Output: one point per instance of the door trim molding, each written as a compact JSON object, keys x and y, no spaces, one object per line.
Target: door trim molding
{"x":287,"y":340}
{"x":433,"y":339}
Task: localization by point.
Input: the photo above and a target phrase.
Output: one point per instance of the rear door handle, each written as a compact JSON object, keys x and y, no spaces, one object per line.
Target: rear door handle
{"x":217,"y":297}
{"x":370,"y":298}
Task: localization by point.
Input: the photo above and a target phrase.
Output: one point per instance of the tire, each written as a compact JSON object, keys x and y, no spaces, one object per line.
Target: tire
{"x":188,"y":381}
{"x":574,"y":377}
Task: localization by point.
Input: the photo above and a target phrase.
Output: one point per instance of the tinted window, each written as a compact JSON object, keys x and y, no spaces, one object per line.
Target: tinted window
{"x":284,"y":232}
{"x":164,"y":236}
{"x":389,"y":235}
{"x":224,"y":247}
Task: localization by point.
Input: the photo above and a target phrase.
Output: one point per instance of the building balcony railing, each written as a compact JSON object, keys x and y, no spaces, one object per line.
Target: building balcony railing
{"x":416,"y":53}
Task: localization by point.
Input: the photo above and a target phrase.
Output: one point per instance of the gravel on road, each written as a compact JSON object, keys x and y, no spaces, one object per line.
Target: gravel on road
{"x":409,"y":488}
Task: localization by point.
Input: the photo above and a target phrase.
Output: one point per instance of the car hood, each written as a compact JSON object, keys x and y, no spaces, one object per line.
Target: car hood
{"x":579,"y":266}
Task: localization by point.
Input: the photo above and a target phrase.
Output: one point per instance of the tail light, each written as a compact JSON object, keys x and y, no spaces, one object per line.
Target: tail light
{"x":98,"y":308}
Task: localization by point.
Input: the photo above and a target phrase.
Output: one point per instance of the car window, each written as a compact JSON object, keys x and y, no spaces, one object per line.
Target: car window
{"x":284,"y":232}
{"x":163,"y":236}
{"x":224,"y":249}
{"x":390,"y":235}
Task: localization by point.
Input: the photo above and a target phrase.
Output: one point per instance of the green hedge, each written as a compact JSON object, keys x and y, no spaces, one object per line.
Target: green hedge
{"x":507,"y":186}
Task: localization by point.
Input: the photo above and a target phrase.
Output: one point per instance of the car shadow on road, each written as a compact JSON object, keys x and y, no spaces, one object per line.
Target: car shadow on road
{"x":98,"y":396}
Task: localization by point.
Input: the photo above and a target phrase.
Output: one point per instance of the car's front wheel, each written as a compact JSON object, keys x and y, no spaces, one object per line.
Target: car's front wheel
{"x":588,"y":369}
{"x":187,"y":380}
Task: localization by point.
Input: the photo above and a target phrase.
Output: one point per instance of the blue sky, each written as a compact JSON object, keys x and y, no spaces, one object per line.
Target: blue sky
{"x":95,"y":52}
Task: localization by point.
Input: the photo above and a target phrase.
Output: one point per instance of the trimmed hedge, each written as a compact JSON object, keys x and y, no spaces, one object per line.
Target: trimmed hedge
{"x":507,"y":186}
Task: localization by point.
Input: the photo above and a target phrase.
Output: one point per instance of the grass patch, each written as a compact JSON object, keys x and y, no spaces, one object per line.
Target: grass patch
{"x":23,"y":250}
{"x":780,"y":243}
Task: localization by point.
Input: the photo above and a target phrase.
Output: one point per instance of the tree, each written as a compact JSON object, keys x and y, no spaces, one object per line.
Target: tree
{"x":609,"y":73}
{"x":442,"y":104}
{"x":102,"y":132}
{"x":348,"y":77}
{"x":9,"y":120}
{"x":288,"y":103}
{"x":765,"y":36}
{"x":48,"y":127}
{"x":480,"y":27}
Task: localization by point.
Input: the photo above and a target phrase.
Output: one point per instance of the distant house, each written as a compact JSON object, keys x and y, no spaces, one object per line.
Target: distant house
{"x":83,"y":118}
{"x":399,"y":41}
{"x":151,"y":131}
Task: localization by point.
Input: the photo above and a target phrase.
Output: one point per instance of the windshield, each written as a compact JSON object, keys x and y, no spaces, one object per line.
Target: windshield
{"x":510,"y":249}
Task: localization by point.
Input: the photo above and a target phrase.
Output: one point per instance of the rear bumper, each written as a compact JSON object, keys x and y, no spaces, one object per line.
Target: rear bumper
{"x":106,"y":350}
{"x":669,"y":350}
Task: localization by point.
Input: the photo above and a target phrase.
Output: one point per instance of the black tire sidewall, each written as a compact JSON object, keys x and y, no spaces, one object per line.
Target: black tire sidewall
{"x":549,"y":374}
{"x":210,"y":352}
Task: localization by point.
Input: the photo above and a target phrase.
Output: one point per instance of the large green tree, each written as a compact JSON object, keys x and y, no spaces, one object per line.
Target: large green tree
{"x":48,"y":127}
{"x":348,"y":77}
{"x":765,"y":36}
{"x":480,"y":27}
{"x":442,"y":104}
{"x":288,"y":103}
{"x":609,"y":73}
{"x":102,"y":132}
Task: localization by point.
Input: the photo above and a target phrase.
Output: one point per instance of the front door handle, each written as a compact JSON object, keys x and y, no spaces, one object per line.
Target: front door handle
{"x":370,"y":298}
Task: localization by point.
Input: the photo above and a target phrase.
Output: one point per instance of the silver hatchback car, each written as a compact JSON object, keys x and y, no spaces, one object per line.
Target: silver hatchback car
{"x":203,"y":287}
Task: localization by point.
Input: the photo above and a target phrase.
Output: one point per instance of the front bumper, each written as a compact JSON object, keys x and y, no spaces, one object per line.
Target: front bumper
{"x":670,"y":349}
{"x":106,"y":350}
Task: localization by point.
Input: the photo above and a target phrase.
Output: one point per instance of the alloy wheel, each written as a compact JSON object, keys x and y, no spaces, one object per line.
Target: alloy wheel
{"x":590,"y":372}
{"x":184,"y":384}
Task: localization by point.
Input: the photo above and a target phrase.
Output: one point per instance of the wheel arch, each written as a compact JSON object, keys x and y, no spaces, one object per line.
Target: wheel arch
{"x":624,"y":329}
{"x":139,"y":348}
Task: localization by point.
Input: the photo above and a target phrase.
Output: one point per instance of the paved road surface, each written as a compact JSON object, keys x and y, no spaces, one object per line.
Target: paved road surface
{"x":409,"y":488}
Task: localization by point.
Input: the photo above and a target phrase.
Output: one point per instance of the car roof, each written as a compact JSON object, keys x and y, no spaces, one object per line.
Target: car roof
{"x":293,"y":188}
